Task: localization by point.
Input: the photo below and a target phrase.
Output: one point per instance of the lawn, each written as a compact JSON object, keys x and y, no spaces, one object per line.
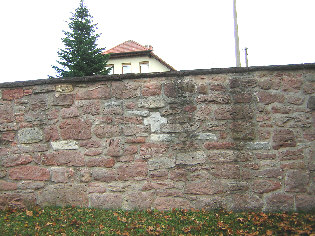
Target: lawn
{"x":89,"y":221}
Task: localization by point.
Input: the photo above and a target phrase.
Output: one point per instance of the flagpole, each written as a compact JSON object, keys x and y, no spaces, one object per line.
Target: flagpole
{"x":237,"y":46}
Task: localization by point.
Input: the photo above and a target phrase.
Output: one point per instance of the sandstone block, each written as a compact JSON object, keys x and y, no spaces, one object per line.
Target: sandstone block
{"x":29,"y":173}
{"x":104,"y":175}
{"x":98,"y":92}
{"x":64,"y":88}
{"x":93,"y":152}
{"x":94,"y":187}
{"x":51,"y":133}
{"x":69,"y":112}
{"x":151,"y":89}
{"x":149,"y":150}
{"x":107,"y":131}
{"x":279,"y":202}
{"x":16,"y":160}
{"x":210,"y":203}
{"x":7,"y":186}
{"x":11,"y":94}
{"x":161,"y":137}
{"x":269,"y":98}
{"x":61,"y":174}
{"x":75,"y":129}
{"x":30,"y":135}
{"x":115,"y":148}
{"x":311,"y":103}
{"x":17,"y":200}
{"x":139,"y":200}
{"x":245,"y":202}
{"x":296,"y":181}
{"x":63,"y":100}
{"x":305,"y":202}
{"x":105,"y":200}
{"x":226,"y":171}
{"x":161,"y":162}
{"x":168,"y":203}
{"x":219,"y":145}
{"x":192,"y":158}
{"x":152,"y":102}
{"x":65,"y":145}
{"x":63,"y":195}
{"x":138,"y":170}
{"x":6,"y":113}
{"x":207,"y":136}
{"x":26,"y":185}
{"x":63,"y":158}
{"x":207,"y":187}
{"x":257,"y":145}
{"x":265,"y":186}
{"x":283,"y":138}
{"x":100,"y":162}
{"x":143,"y":113}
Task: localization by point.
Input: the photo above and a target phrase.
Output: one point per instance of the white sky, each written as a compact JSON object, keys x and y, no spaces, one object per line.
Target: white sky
{"x":186,"y":34}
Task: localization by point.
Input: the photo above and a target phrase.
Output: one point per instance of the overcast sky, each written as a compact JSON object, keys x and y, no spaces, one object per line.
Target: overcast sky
{"x":192,"y":34}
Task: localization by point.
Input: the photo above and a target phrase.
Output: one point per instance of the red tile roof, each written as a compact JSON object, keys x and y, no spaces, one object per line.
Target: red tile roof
{"x":128,"y":46}
{"x":132,"y":48}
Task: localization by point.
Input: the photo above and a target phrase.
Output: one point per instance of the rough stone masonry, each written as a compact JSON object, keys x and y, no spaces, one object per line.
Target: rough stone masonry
{"x":239,"y":139}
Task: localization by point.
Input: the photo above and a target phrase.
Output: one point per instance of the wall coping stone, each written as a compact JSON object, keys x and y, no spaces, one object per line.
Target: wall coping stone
{"x":99,"y":78}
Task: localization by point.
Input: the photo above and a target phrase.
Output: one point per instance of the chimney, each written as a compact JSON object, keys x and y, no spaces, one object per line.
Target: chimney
{"x":149,"y":47}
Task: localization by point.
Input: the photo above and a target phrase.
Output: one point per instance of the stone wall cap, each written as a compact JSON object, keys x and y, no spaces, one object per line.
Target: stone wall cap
{"x":100,"y":78}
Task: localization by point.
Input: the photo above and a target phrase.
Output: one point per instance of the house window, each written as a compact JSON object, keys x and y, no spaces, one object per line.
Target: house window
{"x":144,"y":67}
{"x":111,"y":67}
{"x":126,"y":68}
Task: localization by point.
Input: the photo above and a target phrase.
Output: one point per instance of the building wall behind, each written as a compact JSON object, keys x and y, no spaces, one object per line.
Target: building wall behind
{"x":154,"y":65}
{"x":240,"y":140}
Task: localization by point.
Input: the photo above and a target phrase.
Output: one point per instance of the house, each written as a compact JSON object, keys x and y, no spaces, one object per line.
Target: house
{"x":132,"y":57}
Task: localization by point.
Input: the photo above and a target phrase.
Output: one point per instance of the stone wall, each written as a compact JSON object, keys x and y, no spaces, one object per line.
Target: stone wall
{"x":239,"y":139}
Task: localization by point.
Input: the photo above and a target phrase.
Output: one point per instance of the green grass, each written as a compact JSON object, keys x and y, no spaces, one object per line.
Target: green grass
{"x":89,"y":221}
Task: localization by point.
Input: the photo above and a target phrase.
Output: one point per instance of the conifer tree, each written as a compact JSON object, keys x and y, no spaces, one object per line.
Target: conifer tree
{"x":81,"y":57}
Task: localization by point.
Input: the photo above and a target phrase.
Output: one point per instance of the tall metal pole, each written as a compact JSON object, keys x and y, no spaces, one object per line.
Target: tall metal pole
{"x":237,"y":45}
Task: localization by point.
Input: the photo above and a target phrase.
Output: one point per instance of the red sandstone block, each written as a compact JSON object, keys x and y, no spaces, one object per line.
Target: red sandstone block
{"x":293,"y":165}
{"x":108,"y":131}
{"x":279,"y":202}
{"x":16,"y":160}
{"x":7,"y":186}
{"x":283,"y":138}
{"x":99,"y":92}
{"x":151,"y":89}
{"x":136,"y":140}
{"x":69,"y":112}
{"x":125,"y":90}
{"x":61,"y":174}
{"x":63,"y":158}
{"x":207,"y":187}
{"x":296,"y":181}
{"x":63,"y":100}
{"x":51,"y":133}
{"x":291,"y":155}
{"x":152,"y":149}
{"x":138,"y":170}
{"x":100,"y":162}
{"x":28,"y":92}
{"x":291,"y":84}
{"x":190,"y":108}
{"x":305,"y":202}
{"x":96,"y":188}
{"x":225,"y":171}
{"x":268,"y":97}
{"x":170,"y":90}
{"x":265,"y":186}
{"x":11,"y":94}
{"x":75,"y":129}
{"x":93,"y":152}
{"x":219,"y":145}
{"x":29,"y":172}
{"x":115,"y":148}
{"x":90,"y":143}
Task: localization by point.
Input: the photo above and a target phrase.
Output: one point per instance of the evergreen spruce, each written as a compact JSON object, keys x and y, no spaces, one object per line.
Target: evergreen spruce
{"x":81,"y":57}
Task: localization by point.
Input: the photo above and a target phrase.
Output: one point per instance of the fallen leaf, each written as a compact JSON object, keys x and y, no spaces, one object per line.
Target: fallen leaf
{"x":29,"y":213}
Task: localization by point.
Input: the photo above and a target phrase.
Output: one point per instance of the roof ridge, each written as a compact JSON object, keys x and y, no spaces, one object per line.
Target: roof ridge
{"x":128,"y":44}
